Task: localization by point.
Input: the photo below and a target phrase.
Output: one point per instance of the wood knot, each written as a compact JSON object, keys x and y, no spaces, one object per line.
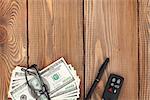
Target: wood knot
{"x":3,"y":34}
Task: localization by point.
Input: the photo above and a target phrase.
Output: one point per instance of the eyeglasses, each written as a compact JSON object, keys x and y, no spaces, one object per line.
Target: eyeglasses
{"x":37,"y":87}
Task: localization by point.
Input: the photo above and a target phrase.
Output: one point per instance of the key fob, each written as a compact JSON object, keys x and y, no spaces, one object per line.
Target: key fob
{"x":113,"y":87}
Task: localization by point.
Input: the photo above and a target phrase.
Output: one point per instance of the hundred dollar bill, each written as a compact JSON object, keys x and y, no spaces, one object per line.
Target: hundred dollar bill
{"x":67,"y":89}
{"x":57,"y":75}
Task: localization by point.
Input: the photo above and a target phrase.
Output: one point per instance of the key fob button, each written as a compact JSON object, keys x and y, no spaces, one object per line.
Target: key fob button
{"x":112,"y":84}
{"x":110,"y":90}
{"x":115,"y":91}
{"x":113,"y":79}
{"x":117,"y":86}
{"x":118,"y":81}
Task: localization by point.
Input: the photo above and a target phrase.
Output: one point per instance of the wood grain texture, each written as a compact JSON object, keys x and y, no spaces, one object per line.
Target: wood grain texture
{"x":118,"y":29}
{"x":111,"y":31}
{"x":13,"y":44}
{"x":55,"y":30}
{"x":144,"y":50}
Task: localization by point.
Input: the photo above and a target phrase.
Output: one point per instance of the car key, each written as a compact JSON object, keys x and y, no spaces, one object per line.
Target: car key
{"x":113,"y":87}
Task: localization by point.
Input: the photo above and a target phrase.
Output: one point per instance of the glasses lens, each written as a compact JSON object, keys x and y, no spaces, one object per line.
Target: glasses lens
{"x":33,"y":79}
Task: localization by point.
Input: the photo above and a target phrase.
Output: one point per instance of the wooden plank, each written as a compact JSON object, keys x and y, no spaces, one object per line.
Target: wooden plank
{"x":55,"y":30}
{"x":144,"y":49}
{"x":13,"y":44}
{"x":111,"y":31}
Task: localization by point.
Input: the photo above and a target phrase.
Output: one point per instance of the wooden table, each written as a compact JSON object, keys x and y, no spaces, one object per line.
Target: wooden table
{"x":84,"y":32}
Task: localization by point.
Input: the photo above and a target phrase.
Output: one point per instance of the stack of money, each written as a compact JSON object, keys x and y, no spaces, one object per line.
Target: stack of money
{"x":61,"y":79}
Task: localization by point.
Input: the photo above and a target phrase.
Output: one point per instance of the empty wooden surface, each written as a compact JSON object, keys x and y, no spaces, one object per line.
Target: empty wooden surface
{"x":144,"y":50}
{"x":84,"y":32}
